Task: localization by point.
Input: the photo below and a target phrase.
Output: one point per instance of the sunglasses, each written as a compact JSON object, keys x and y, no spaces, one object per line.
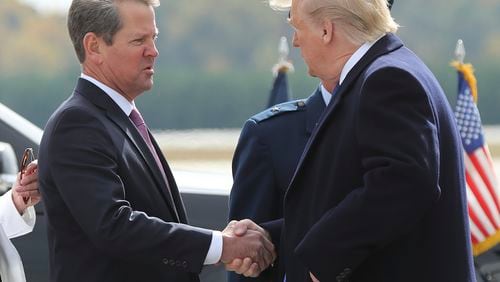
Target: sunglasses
{"x":27,"y":158}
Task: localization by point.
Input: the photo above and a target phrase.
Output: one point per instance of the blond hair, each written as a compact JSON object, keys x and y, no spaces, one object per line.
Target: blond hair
{"x":361,"y":20}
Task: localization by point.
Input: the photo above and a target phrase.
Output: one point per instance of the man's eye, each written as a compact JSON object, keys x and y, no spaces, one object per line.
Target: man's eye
{"x":138,"y":41}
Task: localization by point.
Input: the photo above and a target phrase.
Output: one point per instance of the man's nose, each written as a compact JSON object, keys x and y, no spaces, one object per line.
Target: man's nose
{"x":151,"y":51}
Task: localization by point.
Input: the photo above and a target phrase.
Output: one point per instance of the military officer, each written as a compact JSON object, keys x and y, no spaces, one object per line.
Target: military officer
{"x":267,"y":153}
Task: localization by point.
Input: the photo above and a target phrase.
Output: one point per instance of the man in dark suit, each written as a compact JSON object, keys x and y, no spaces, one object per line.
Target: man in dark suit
{"x":114,"y":211}
{"x":379,"y":193}
{"x":266,"y":157}
{"x":267,"y":153}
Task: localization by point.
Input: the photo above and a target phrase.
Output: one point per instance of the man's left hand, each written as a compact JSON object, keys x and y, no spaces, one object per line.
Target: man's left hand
{"x":26,"y":188}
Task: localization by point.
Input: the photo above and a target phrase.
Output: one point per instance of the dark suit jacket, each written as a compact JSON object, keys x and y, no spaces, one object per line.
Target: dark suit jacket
{"x":379,"y":193}
{"x":265,"y":159}
{"x":110,"y":215}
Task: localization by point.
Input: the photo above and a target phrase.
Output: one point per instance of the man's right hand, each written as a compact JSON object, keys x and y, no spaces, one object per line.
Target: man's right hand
{"x":247,"y":248}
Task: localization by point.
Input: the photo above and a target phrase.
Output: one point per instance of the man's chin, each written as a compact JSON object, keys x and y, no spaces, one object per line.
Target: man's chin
{"x":149,"y":83}
{"x":147,"y":86}
{"x":311,"y":73}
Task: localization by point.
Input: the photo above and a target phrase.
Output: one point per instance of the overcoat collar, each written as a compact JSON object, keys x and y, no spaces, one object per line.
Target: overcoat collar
{"x":384,"y":45}
{"x":315,"y":107}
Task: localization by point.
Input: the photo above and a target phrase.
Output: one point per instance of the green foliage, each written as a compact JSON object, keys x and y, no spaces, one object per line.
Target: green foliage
{"x":216,"y":56}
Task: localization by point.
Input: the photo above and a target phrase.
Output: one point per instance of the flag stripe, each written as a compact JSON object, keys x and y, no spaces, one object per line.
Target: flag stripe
{"x":479,"y":160}
{"x":491,"y":171}
{"x":480,"y":200}
{"x":481,"y":192}
{"x":476,"y":234}
{"x":487,"y":153}
{"x":480,"y":218}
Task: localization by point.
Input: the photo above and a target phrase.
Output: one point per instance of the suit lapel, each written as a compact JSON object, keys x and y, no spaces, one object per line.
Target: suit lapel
{"x":95,"y":95}
{"x":384,"y":45}
{"x":173,"y":192}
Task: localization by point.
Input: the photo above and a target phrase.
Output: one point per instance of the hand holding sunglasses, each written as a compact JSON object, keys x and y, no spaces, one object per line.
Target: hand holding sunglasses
{"x":29,"y":187}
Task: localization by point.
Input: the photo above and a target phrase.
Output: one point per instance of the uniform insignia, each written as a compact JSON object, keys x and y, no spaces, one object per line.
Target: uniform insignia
{"x":291,"y":106}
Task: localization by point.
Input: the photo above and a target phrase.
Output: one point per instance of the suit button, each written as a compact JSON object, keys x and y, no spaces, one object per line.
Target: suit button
{"x":172,"y":262}
{"x":165,"y":261}
{"x":184,"y":264}
{"x":347,"y":271}
{"x":178,"y":263}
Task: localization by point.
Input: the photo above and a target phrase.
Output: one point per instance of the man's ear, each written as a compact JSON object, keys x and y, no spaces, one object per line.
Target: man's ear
{"x":328,"y":29}
{"x":92,"y":46}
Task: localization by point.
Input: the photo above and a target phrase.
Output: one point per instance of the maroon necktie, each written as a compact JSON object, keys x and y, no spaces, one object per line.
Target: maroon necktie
{"x":137,"y":119}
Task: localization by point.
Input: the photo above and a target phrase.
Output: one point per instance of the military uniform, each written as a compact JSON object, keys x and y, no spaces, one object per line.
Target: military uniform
{"x":268,"y":151}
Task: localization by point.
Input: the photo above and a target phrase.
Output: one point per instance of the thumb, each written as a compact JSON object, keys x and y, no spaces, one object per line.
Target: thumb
{"x":240,"y":228}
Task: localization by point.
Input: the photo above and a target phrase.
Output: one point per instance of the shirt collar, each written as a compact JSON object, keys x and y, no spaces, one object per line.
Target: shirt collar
{"x":354,"y":59}
{"x":327,"y":96}
{"x":121,"y":101}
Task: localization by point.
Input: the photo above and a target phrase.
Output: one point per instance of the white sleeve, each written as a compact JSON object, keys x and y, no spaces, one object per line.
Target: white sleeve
{"x":215,"y":250}
{"x":11,"y":266}
{"x":12,"y":222}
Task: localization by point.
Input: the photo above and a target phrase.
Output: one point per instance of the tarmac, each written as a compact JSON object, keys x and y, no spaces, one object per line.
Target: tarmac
{"x":211,"y":150}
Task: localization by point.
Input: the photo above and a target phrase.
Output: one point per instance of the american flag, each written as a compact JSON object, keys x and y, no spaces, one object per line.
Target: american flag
{"x":483,"y":191}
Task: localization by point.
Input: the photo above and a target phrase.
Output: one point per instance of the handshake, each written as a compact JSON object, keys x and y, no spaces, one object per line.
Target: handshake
{"x":247,"y":248}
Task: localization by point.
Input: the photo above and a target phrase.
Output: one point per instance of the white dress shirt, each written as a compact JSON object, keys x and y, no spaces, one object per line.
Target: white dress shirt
{"x":327,"y":96}
{"x":215,"y":250}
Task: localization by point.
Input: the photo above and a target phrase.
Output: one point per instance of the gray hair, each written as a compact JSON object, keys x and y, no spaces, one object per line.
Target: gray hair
{"x":360,"y":20}
{"x":98,"y":16}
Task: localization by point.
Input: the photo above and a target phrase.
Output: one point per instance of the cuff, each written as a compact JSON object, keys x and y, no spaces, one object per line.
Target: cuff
{"x":215,"y":250}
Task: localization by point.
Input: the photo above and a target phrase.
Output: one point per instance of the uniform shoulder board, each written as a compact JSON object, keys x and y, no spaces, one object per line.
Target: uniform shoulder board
{"x":291,"y":106}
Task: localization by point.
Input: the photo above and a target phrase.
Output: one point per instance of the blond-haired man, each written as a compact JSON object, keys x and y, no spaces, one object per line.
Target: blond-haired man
{"x":379,"y":192}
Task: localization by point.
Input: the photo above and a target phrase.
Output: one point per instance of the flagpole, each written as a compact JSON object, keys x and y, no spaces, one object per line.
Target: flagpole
{"x":280,"y":92}
{"x":460,"y":52}
{"x":466,"y":69}
{"x":284,"y":64}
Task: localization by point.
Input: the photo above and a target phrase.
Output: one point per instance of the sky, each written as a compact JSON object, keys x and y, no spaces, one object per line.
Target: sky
{"x":49,"y":5}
